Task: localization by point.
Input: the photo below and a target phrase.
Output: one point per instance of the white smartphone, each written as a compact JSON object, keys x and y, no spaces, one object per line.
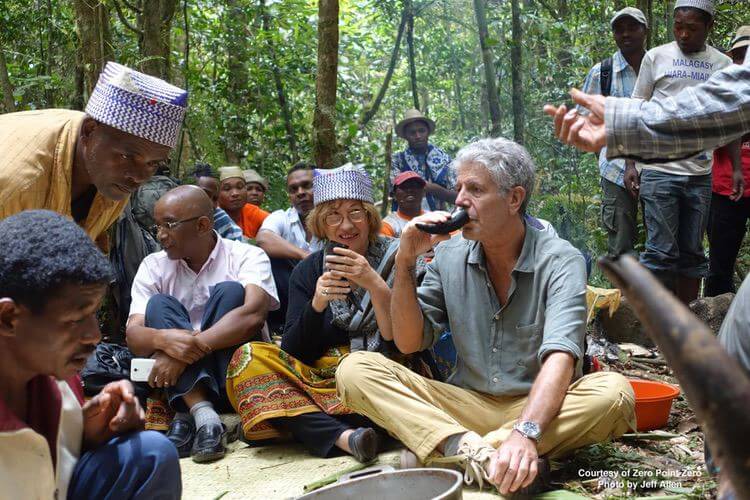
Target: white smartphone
{"x":140,"y":369}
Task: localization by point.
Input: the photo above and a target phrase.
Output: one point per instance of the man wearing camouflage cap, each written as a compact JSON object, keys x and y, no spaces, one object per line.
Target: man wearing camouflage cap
{"x":616,"y":76}
{"x":86,"y":164}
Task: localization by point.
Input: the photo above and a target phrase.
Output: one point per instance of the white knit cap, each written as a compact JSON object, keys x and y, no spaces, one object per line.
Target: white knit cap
{"x":230,"y":172}
{"x":704,"y":5}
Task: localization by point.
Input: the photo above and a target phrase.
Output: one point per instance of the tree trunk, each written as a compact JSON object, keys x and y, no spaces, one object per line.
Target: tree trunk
{"x":488,"y":60}
{"x":424,"y":100}
{"x":156,"y":26}
{"x":183,"y":153}
{"x":387,"y":172}
{"x":516,"y":65}
{"x":79,"y":100}
{"x":565,"y":56}
{"x":49,"y":94}
{"x":668,"y":20}
{"x":409,"y":6}
{"x":324,"y":119}
{"x":8,"y":100}
{"x":95,"y":38}
{"x":239,"y":93}
{"x":286,"y":113}
{"x":647,"y":6}
{"x":372,"y":110}
{"x":456,"y":68}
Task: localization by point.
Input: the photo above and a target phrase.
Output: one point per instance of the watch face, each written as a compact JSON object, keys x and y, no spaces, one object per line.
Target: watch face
{"x":530,"y":429}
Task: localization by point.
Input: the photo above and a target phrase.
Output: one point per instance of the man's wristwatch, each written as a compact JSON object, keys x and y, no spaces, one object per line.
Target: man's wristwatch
{"x":528,"y":429}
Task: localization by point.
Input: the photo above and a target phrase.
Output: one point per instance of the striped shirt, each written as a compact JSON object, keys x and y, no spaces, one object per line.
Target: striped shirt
{"x":225,"y":226}
{"x":623,"y":82}
{"x":706,"y":116}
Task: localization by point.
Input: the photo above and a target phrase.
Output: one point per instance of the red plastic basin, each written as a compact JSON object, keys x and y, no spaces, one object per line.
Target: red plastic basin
{"x":653,"y":401}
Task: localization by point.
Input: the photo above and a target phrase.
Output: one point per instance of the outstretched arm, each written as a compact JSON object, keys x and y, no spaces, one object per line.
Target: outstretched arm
{"x":699,"y":118}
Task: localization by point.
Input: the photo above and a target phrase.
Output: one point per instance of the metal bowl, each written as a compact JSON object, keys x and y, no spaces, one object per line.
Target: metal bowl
{"x":404,"y":484}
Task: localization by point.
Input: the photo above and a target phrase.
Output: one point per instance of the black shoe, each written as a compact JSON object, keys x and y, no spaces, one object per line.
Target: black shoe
{"x":182,"y":433}
{"x":209,"y":444}
{"x":541,"y":483}
{"x":364,"y":444}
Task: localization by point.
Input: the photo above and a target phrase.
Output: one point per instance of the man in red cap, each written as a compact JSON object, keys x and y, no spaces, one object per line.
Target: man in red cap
{"x":408,"y":192}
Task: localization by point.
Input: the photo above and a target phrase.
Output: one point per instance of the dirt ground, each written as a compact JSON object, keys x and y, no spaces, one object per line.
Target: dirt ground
{"x":666,"y":464}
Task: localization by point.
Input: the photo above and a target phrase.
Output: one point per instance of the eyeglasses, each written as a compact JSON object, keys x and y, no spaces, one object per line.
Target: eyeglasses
{"x":171,"y":226}
{"x":335,"y":219}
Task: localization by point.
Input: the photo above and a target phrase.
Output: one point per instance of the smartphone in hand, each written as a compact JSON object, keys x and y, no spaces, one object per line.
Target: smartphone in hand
{"x":140,"y":369}
{"x":351,"y":298}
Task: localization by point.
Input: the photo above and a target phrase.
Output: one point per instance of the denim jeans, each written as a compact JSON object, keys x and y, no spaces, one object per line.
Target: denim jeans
{"x":138,"y":465}
{"x":675,"y":211}
{"x":164,"y":311}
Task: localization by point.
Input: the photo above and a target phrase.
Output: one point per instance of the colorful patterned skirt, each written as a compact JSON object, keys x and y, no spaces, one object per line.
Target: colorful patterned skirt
{"x":264,"y":382}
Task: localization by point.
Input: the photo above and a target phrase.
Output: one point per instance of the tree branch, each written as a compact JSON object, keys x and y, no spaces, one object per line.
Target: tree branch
{"x":170,"y":12}
{"x":124,"y":20}
{"x":373,"y":109}
{"x":549,"y":8}
{"x":418,"y":10}
{"x":132,"y":7}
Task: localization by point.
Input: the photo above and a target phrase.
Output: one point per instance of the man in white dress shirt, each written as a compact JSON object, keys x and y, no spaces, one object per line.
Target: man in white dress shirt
{"x":193,"y":304}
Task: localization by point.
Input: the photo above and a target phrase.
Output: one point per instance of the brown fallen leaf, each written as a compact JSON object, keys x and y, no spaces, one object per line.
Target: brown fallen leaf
{"x":686,"y":426}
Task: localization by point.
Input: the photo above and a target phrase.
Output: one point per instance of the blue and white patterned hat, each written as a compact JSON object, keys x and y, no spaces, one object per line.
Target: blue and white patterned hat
{"x":348,"y":182}
{"x":138,"y":104}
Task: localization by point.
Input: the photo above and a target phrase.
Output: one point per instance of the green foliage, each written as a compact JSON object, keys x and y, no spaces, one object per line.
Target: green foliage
{"x":235,"y":112}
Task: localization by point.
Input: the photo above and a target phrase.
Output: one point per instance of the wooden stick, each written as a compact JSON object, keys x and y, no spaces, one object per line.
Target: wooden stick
{"x":714,"y":383}
{"x":650,"y":361}
{"x":334,"y":477}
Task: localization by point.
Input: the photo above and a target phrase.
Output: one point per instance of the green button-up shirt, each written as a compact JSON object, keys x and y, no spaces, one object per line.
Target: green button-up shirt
{"x":500,"y":349}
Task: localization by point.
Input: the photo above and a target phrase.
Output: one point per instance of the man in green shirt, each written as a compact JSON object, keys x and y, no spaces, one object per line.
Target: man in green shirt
{"x":514,"y":299}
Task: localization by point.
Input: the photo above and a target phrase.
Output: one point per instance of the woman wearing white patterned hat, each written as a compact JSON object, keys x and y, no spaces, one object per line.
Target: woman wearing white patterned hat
{"x":339,"y":301}
{"x":85,"y":165}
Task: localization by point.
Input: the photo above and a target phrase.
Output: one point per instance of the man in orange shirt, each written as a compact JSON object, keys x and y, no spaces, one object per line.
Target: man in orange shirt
{"x":408,"y":192}
{"x":233,"y":200}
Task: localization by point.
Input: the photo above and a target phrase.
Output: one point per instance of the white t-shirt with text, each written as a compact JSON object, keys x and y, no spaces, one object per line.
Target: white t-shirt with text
{"x":665,"y":71}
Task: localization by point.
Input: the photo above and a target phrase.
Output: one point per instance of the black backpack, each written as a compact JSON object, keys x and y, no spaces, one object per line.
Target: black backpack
{"x":605,"y":77}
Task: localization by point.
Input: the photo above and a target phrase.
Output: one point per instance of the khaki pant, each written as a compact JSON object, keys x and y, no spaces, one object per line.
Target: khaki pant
{"x":421,"y":412}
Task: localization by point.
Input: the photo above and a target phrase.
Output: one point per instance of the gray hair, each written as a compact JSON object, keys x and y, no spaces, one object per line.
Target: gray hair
{"x":508,"y":163}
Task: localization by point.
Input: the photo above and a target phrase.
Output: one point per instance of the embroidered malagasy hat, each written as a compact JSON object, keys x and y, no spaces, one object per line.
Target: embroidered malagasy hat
{"x":252,"y":176}
{"x":348,"y":182}
{"x":704,"y":5}
{"x":139,"y":104}
{"x":413,"y":115}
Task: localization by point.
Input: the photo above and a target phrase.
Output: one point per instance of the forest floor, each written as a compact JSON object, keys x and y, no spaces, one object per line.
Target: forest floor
{"x":665,"y":464}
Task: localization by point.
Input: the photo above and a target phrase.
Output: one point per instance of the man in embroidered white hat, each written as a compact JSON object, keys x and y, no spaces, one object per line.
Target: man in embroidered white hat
{"x":676,"y":195}
{"x":429,"y":161}
{"x":86,"y":165}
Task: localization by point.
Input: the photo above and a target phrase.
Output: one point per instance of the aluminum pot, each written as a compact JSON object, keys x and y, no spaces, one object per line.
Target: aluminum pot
{"x":385,"y":482}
